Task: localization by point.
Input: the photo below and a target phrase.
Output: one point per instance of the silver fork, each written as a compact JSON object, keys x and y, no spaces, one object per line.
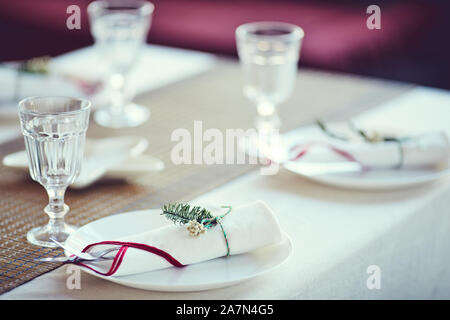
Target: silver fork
{"x":85,"y":255}
{"x":75,"y":259}
{"x":79,"y":256}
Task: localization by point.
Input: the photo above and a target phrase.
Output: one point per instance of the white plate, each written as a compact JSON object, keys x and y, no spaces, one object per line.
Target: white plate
{"x":216,"y":273}
{"x":375,"y":179}
{"x":344,"y":174}
{"x":387,"y":179}
{"x":115,"y":157}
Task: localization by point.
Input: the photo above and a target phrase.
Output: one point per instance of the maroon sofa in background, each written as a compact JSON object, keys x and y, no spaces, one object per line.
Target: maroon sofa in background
{"x":409,"y":46}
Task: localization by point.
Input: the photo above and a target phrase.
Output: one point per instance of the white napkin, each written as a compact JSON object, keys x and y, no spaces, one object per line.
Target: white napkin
{"x":424,"y":150}
{"x":168,"y":65}
{"x":248,"y":227}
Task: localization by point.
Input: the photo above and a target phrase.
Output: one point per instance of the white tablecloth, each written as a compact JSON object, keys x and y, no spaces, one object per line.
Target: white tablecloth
{"x":337,"y":234}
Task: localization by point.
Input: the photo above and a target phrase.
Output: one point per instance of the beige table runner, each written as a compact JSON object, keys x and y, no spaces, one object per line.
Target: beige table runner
{"x":215,"y":98}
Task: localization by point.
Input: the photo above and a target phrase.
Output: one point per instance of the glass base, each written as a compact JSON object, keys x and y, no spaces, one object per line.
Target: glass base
{"x":40,"y":236}
{"x":132,"y":115}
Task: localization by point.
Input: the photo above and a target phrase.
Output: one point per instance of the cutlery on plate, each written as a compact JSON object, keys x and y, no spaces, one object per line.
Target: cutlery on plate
{"x":84,"y":256}
{"x":73,"y":259}
{"x":79,"y":254}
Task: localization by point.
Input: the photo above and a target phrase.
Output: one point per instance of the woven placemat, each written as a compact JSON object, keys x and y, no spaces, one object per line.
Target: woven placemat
{"x":213,"y":97}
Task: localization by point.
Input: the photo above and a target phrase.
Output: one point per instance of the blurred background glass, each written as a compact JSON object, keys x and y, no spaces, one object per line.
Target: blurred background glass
{"x":120,"y":29}
{"x":269,"y":53}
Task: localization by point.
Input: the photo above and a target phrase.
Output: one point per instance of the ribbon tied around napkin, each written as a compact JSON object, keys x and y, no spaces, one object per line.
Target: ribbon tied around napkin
{"x":248,"y":227}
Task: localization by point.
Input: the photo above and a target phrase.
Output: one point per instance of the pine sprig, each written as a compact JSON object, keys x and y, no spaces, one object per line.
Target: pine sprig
{"x":324,"y":128}
{"x":183,"y":213}
{"x":35,"y":65}
{"x":371,"y":138}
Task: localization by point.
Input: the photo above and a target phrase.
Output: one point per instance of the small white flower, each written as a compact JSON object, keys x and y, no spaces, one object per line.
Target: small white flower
{"x":195,"y":228}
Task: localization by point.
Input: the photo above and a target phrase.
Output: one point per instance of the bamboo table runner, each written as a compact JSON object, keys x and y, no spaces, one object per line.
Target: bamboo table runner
{"x":216,"y":99}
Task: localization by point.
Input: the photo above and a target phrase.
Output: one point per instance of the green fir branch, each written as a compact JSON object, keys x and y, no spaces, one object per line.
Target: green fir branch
{"x":183,"y":213}
{"x":324,"y":128}
{"x":374,"y":138}
{"x":35,"y":65}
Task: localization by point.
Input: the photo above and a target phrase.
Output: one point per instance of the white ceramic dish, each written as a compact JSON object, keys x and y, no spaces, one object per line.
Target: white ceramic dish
{"x":216,"y":273}
{"x":344,"y":174}
{"x":375,"y":179}
{"x":387,"y":179}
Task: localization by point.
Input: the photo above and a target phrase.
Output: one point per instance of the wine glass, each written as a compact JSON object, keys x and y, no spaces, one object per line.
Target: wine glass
{"x":120,"y":28}
{"x":54,"y":130}
{"x":268,"y":53}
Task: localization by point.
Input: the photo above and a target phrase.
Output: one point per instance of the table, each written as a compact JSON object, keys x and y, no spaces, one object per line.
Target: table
{"x":338,"y":235}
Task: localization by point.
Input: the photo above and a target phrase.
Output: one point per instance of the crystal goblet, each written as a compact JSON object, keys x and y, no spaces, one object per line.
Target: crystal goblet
{"x":120,"y":28}
{"x":269,"y":54}
{"x":54,"y":130}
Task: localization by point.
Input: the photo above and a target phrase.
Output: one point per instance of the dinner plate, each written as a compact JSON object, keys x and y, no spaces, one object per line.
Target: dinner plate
{"x":373,"y":179}
{"x":377,"y":179}
{"x":212,"y":274}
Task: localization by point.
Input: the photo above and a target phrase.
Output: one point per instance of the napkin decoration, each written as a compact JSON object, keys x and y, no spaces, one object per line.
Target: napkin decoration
{"x":38,"y":65}
{"x":118,"y":259}
{"x":366,"y":136}
{"x":198,"y":219}
{"x":195,"y":236}
{"x":376,"y":151}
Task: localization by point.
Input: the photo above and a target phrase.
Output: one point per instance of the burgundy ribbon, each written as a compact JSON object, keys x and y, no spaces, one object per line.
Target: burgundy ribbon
{"x":117,"y":261}
{"x":307,"y":147}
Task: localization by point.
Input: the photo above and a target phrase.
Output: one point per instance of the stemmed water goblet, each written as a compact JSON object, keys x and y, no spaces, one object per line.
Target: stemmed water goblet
{"x":54,"y":130}
{"x":269,"y":54}
{"x":120,"y":29}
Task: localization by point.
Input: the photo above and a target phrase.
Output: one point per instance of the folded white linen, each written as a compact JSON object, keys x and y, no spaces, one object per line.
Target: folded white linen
{"x":424,"y":150}
{"x":248,"y":227}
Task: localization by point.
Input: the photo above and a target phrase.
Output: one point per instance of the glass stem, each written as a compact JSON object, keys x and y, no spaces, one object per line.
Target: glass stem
{"x":268,"y":125}
{"x":268,"y":119}
{"x":118,"y":95}
{"x":56,"y":208}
